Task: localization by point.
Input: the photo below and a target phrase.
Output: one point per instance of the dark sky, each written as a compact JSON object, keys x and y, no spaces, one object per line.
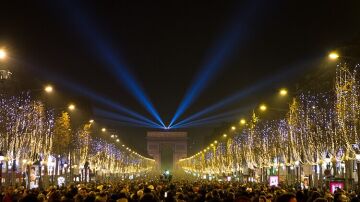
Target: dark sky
{"x":165,"y":43}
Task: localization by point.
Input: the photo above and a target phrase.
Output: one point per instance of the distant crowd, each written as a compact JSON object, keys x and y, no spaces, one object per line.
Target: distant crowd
{"x":179,"y":191}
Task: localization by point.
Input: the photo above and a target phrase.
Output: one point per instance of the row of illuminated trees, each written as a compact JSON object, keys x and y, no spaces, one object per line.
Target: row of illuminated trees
{"x":31,"y":133}
{"x":321,"y":128}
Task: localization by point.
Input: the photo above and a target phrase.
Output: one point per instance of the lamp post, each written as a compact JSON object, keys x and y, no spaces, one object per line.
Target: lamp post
{"x":86,"y":167}
{"x":65,"y":172}
{"x":2,"y":157}
{"x":13,"y":167}
{"x":327,"y":161}
{"x":297,"y":163}
{"x":357,"y":156}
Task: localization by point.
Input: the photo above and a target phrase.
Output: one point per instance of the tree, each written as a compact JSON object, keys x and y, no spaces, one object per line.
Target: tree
{"x":61,"y":137}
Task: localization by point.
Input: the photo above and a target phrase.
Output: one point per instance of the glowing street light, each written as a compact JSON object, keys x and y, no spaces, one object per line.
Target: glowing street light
{"x":117,"y":140}
{"x":3,"y":54}
{"x":233,"y":128}
{"x":91,"y":121}
{"x":333,"y":56}
{"x":224,"y":135}
{"x":48,"y":89}
{"x":103,"y":129}
{"x":283,"y":92}
{"x":71,"y":107}
{"x":4,"y":73}
{"x":263,"y":107}
{"x":242,"y":121}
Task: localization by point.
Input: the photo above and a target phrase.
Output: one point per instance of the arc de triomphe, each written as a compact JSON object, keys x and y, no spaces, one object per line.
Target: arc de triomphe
{"x":172,"y":145}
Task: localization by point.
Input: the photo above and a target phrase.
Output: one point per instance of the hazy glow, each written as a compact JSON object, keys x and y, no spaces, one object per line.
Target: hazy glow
{"x":3,"y":54}
{"x":242,"y":122}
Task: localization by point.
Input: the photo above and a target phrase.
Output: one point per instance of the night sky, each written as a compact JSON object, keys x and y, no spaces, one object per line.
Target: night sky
{"x":164,"y":44}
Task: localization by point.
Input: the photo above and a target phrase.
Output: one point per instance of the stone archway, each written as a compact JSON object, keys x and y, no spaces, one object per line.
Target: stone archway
{"x":159,"y":142}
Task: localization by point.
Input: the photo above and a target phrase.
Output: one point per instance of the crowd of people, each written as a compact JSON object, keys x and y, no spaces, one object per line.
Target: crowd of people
{"x":180,"y":191}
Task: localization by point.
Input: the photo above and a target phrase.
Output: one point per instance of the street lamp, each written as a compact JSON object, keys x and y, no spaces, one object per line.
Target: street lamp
{"x":48,"y":89}
{"x":233,"y":128}
{"x":357,"y":157}
{"x":333,"y":56}
{"x":327,"y":160}
{"x":4,"y":73}
{"x":263,"y":107}
{"x":297,"y":163}
{"x":71,"y":107}
{"x":86,"y":166}
{"x":242,"y":122}
{"x":3,"y":54}
{"x":2,"y":158}
{"x":283,"y":92}
{"x":103,"y":129}
{"x":224,"y":135}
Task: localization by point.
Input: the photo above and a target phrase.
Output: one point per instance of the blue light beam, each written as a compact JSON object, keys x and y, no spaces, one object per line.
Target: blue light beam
{"x":293,"y":70}
{"x":101,"y":99}
{"x":221,"y":53}
{"x":114,"y":65}
{"x":81,"y":90}
{"x":118,"y":122}
{"x":203,"y":122}
{"x":219,"y":117}
{"x":115,"y":116}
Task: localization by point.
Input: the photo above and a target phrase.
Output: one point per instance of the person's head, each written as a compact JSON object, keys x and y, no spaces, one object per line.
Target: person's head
{"x":82,"y":192}
{"x":287,"y":197}
{"x":41,"y":197}
{"x":100,"y":199}
{"x":147,"y":197}
{"x":343,"y":198}
{"x":10,"y":190}
{"x":269,"y":197}
{"x":321,"y":200}
{"x":262,"y":198}
{"x":299,"y":196}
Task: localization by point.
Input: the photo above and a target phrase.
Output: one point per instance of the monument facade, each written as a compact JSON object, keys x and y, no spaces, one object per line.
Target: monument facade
{"x":167,"y":148}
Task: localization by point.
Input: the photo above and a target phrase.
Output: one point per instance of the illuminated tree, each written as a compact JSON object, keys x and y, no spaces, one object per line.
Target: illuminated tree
{"x":61,"y":137}
{"x":82,"y":140}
